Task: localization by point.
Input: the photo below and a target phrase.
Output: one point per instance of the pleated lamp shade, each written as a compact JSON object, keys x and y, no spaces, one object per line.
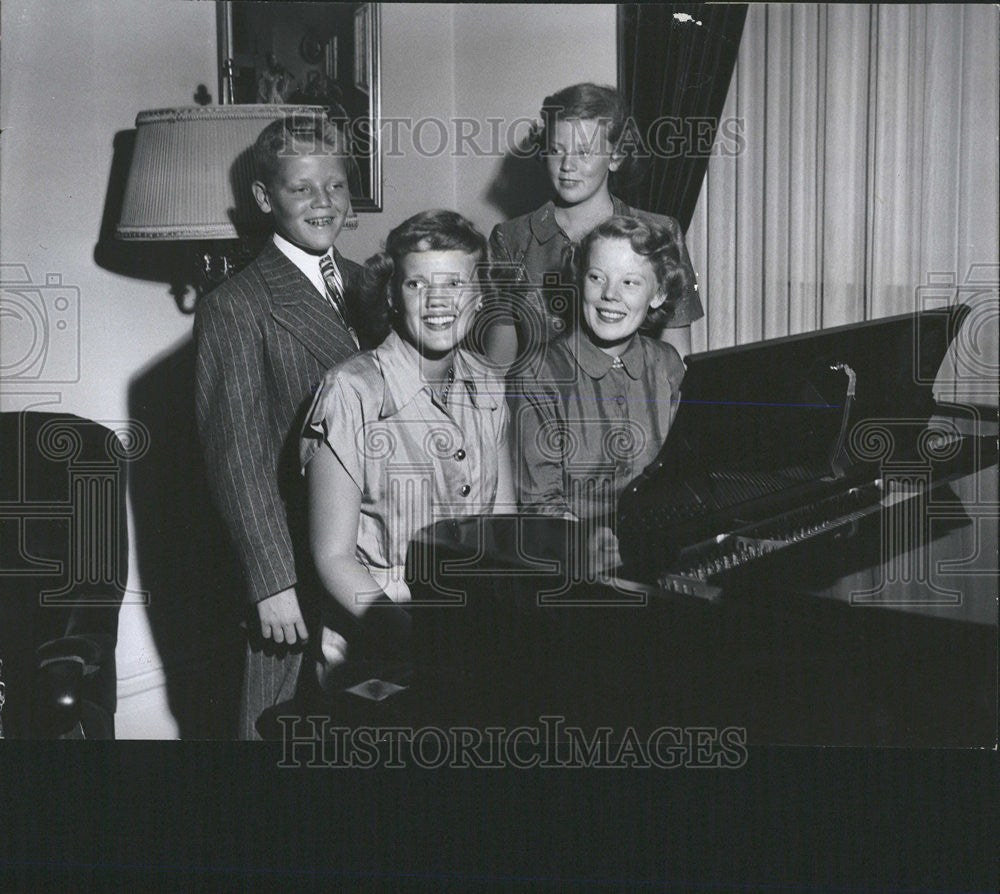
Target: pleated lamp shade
{"x":192,"y":169}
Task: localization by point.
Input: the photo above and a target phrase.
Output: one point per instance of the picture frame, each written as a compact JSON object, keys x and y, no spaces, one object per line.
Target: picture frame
{"x":326,"y":54}
{"x":362,"y":60}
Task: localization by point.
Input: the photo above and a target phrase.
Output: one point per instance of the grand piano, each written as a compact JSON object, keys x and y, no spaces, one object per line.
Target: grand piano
{"x":811,"y":558}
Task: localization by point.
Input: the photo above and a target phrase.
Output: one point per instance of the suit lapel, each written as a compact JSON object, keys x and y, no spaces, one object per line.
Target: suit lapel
{"x":302,"y":311}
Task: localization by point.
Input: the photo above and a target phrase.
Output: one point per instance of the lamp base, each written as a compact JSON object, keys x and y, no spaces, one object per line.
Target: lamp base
{"x":220,"y":259}
{"x":215,"y":261}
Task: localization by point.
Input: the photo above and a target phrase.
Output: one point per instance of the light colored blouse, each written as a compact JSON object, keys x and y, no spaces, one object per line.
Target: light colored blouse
{"x":414,"y":459}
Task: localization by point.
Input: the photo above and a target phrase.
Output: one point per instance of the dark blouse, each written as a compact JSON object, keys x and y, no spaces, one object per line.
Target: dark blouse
{"x":532,"y":249}
{"x":586,"y":426}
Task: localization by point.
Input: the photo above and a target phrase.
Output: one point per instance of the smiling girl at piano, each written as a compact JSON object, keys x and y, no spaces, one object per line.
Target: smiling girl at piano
{"x":605,"y":394}
{"x":402,"y":435}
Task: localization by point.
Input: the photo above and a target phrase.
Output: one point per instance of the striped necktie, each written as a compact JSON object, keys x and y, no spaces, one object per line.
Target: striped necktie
{"x":335,"y":291}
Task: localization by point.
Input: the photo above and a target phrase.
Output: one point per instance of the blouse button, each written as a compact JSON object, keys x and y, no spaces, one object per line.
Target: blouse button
{"x":460,"y":454}
{"x":466,"y":490}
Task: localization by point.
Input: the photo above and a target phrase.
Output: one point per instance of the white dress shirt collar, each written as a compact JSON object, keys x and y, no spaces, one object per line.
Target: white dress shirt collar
{"x":307,"y":263}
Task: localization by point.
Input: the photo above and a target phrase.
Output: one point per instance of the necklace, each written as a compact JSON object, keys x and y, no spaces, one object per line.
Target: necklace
{"x":447,"y":385}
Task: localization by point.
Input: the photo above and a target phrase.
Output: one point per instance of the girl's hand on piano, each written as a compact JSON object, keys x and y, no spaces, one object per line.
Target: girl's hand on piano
{"x":602,"y":551}
{"x":333,"y":654}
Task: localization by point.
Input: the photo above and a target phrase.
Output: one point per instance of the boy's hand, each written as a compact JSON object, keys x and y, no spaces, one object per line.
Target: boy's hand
{"x":281,"y":619}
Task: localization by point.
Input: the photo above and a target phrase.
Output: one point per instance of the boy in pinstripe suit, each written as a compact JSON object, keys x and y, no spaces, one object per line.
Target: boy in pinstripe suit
{"x":264,"y":339}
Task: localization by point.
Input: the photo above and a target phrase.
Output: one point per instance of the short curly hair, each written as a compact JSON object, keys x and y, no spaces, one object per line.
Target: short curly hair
{"x":658,"y":245}
{"x":434,"y":230}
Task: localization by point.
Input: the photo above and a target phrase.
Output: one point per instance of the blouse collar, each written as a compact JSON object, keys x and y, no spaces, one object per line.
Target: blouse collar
{"x":400,"y":365}
{"x":543,"y":220}
{"x":596,"y":363}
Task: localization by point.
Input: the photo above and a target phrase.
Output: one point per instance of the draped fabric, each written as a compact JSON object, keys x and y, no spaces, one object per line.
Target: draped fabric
{"x":867,"y":184}
{"x":675,"y":62}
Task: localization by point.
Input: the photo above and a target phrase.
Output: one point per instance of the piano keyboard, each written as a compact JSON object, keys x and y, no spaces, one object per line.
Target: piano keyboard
{"x":700,"y":566}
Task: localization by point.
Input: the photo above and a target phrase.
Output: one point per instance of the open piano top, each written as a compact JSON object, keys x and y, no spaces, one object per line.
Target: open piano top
{"x":790,"y":440}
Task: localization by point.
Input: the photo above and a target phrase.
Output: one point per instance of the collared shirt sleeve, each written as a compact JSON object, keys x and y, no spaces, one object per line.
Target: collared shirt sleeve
{"x":336,"y":422}
{"x":669,"y":365}
{"x":499,"y":253}
{"x":666,"y":366}
{"x":507,"y":276}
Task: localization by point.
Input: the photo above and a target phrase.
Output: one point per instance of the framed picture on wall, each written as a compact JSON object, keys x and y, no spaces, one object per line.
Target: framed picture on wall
{"x":362,"y":62}
{"x":330,"y":58}
{"x":324,"y":54}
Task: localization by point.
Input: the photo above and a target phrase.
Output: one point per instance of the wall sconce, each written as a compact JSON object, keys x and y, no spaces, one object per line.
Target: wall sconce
{"x":189,"y":181}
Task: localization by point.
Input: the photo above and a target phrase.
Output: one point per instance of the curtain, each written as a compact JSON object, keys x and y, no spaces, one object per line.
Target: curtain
{"x":867,"y":181}
{"x":675,"y":61}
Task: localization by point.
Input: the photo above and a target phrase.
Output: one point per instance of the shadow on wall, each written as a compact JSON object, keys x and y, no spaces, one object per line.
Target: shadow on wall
{"x":163,"y":262}
{"x":520,"y":186}
{"x":183,"y":553}
{"x":181,"y":547}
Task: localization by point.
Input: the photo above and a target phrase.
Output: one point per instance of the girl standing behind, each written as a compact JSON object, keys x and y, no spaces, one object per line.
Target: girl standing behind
{"x":582,"y":127}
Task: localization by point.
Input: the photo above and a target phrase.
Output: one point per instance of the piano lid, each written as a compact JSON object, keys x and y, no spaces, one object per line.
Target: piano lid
{"x":769,"y":417}
{"x":779,"y":403}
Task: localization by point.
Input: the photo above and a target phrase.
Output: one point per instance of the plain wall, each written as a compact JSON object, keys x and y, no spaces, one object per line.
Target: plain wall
{"x":418,"y":83}
{"x":73,"y":77}
{"x":509,"y":57}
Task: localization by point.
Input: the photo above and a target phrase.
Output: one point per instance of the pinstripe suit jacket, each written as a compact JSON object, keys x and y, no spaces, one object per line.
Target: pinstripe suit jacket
{"x":264,"y":339}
